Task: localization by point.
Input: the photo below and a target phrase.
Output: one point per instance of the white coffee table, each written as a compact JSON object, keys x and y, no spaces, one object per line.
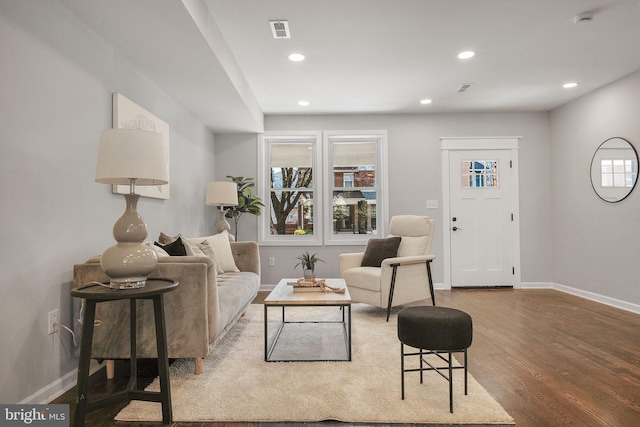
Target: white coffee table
{"x":283,"y":296}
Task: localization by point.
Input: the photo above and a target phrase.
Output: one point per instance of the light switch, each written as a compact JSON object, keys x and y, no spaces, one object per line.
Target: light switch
{"x":432,"y":204}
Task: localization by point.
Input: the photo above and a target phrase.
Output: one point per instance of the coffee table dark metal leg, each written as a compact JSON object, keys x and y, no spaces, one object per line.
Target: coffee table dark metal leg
{"x":83,"y":365}
{"x":163,"y":360}
{"x":349,"y":331}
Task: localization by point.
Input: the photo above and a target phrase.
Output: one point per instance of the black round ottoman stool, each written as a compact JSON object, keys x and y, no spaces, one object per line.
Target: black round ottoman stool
{"x":437,"y":331}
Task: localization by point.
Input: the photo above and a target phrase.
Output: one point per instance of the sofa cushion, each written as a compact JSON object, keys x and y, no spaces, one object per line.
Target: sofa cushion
{"x":379,"y":250}
{"x":235,"y":291}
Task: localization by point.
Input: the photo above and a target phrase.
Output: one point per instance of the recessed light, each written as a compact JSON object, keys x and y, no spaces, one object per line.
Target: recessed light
{"x":296,"y":57}
{"x":466,"y":54}
{"x":303,"y":103}
{"x":570,"y":85}
{"x":425,"y":101}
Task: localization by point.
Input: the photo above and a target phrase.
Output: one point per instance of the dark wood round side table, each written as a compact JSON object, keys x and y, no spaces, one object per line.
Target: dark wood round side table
{"x":93,"y":294}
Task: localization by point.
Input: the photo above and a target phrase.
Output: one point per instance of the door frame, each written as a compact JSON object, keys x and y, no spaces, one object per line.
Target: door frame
{"x":448,"y":144}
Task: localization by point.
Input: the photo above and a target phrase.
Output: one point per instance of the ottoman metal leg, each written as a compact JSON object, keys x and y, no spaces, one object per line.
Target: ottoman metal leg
{"x":437,"y":331}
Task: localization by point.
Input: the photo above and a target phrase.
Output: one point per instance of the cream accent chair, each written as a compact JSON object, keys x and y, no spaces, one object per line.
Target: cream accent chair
{"x":400,"y":280}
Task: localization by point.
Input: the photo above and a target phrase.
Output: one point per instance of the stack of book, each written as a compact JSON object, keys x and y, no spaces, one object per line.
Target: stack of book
{"x":307,"y":285}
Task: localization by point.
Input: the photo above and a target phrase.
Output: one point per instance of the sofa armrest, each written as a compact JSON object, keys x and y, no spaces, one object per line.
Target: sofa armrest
{"x":247,"y":256}
{"x":350,"y":260}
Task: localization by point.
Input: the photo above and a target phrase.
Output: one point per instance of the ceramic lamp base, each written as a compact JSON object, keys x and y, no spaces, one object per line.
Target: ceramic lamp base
{"x":129,"y":262}
{"x":128,"y":265}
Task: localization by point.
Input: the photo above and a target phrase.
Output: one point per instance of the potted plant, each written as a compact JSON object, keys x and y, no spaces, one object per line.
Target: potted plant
{"x":247,"y":201}
{"x":308,"y":263}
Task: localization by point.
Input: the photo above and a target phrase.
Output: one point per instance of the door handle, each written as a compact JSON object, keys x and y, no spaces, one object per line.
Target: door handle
{"x":456,"y":228}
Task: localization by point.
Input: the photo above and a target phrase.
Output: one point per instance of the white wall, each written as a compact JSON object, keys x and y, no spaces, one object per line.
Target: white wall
{"x":595,"y":244}
{"x":56,"y":80}
{"x":415,"y":175}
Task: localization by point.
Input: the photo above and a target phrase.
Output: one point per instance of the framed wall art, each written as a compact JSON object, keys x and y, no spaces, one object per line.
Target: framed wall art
{"x":129,"y":115}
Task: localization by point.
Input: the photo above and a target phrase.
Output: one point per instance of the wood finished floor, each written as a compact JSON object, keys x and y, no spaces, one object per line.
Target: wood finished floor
{"x":549,"y":358}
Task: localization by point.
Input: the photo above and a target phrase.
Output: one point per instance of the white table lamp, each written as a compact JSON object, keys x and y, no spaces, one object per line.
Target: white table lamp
{"x":222,"y":193}
{"x":130,"y":157}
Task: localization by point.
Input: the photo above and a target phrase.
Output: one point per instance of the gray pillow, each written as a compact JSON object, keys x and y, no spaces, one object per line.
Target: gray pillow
{"x":380,"y":249}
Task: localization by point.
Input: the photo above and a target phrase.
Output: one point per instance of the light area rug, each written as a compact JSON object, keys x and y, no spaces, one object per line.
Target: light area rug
{"x":238,"y":385}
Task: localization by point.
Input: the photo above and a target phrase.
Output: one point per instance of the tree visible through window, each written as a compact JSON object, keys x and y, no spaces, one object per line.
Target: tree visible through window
{"x":321,"y":190}
{"x":283,"y":202}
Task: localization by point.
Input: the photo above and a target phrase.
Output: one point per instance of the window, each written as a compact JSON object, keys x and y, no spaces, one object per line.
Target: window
{"x":289,"y":185}
{"x":292,"y":179}
{"x":355,"y":186}
{"x":479,"y":173}
{"x":618,"y":172}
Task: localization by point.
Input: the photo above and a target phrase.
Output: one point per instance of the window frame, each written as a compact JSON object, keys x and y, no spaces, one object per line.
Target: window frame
{"x":265,"y":140}
{"x":381,"y":184}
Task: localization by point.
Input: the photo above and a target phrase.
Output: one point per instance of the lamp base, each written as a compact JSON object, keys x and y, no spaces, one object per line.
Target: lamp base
{"x":130,"y":261}
{"x":128,"y":265}
{"x":128,"y":283}
{"x":222,"y":223}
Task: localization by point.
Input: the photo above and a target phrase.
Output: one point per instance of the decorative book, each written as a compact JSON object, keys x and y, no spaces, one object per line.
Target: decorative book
{"x":314,"y":285}
{"x":308,"y":285}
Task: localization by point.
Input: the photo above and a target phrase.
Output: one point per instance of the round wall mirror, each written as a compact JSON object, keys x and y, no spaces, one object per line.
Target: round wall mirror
{"x":614,"y":170}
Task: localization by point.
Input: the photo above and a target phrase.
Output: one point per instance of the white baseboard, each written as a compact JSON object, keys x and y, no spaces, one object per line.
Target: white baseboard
{"x":613,"y":302}
{"x":53,"y":390}
{"x":58,"y":387}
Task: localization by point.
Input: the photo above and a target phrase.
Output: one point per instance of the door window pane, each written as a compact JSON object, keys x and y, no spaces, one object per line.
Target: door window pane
{"x":479,"y":173}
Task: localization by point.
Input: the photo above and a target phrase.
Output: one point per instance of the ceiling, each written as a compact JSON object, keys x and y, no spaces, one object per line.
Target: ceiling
{"x":219,"y":60}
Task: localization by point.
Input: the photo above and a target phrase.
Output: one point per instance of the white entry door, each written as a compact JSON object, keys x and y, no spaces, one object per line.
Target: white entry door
{"x":482,"y":230}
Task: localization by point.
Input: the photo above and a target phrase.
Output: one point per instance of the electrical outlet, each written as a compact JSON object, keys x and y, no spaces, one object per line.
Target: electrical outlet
{"x":272,"y":261}
{"x":54,"y":320}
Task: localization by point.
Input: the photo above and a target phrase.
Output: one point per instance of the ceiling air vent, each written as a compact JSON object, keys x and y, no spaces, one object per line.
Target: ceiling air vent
{"x":464,"y":87}
{"x":280,"y":29}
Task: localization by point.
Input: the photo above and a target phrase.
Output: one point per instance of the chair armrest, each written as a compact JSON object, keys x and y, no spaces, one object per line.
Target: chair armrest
{"x":407,"y":260}
{"x":350,"y":260}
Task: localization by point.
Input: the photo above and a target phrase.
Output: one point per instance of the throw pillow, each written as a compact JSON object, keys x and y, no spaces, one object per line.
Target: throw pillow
{"x":222,"y":248}
{"x":379,"y":250}
{"x":164,"y":238}
{"x":208,"y":250}
{"x":157,"y":249}
{"x":175,"y":248}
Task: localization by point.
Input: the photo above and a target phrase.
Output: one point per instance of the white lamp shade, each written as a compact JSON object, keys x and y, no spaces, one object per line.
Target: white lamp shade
{"x":222,"y":193}
{"x":124,"y":154}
